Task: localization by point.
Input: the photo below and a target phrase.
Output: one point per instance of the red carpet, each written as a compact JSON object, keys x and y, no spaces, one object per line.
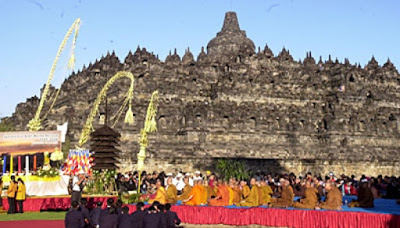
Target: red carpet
{"x":32,"y":224}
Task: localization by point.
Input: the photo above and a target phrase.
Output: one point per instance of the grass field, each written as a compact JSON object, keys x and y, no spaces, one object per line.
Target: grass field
{"x":34,"y":216}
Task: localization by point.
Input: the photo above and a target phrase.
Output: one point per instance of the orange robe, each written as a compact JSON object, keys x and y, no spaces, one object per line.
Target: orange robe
{"x":252,"y":198}
{"x":236,"y":195}
{"x":245,"y":192}
{"x":223,"y":193}
{"x":185,"y":192}
{"x":204,"y":196}
{"x":172,"y":194}
{"x":197,"y":196}
{"x":210,"y":192}
{"x":266,"y":194}
{"x":161,"y":196}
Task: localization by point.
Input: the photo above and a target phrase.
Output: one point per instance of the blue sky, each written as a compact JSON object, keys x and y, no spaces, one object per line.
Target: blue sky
{"x":33,"y":29}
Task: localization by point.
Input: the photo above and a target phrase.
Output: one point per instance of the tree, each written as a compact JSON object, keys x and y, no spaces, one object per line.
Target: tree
{"x":229,"y":168}
{"x":6,"y":125}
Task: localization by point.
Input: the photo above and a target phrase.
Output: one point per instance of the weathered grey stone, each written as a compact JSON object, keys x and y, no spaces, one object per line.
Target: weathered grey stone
{"x":278,"y":114}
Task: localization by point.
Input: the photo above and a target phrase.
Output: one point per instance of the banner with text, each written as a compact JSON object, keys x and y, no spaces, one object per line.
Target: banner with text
{"x":29,"y":142}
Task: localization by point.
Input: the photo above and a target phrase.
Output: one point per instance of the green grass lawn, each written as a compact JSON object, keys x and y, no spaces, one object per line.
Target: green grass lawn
{"x":34,"y":216}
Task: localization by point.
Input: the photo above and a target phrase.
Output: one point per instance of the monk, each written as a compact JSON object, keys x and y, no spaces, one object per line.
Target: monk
{"x":195,"y":196}
{"x":310,"y":197}
{"x":186,"y":190}
{"x":287,"y":195}
{"x":266,"y":193}
{"x":222,"y":198}
{"x":252,"y":199}
{"x":161,"y":194}
{"x":365,"y":198}
{"x":172,"y":192}
{"x":210,"y":190}
{"x":333,"y":198}
{"x":245,"y":190}
{"x":236,"y":192}
{"x":203,"y":190}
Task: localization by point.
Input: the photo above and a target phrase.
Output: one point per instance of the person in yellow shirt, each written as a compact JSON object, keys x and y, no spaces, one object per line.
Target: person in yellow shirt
{"x":172,"y":192}
{"x":161,"y":194}
{"x":12,"y":190}
{"x":252,"y":199}
{"x":21,"y":194}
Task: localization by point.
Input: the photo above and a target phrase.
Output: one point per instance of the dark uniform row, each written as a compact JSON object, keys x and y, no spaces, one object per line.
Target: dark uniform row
{"x":156,"y":216}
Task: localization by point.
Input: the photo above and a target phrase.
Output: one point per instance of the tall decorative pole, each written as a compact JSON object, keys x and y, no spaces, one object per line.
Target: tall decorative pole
{"x":11,"y":164}
{"x":35,"y":123}
{"x":87,"y":129}
{"x":150,"y":125}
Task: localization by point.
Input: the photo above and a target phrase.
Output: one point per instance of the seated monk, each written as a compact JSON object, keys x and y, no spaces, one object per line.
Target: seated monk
{"x":333,"y":199}
{"x":222,"y":198}
{"x":310,"y":197}
{"x":365,"y":197}
{"x":195,"y":196}
{"x":210,"y":190}
{"x":161,"y":194}
{"x":186,"y":190}
{"x":172,"y":192}
{"x":203,"y":190}
{"x":260,"y":193}
{"x":287,"y":195}
{"x":245,"y":190}
{"x":266,"y":193}
{"x":236,"y":193}
{"x":252,"y":199}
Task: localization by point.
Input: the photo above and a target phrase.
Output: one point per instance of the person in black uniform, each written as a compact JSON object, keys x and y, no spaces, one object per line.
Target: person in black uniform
{"x":138,"y":215}
{"x":151,"y":218}
{"x":109,"y":218}
{"x":85,"y":211}
{"x":172,"y":218}
{"x":125,"y":219}
{"x":94,"y":215}
{"x":74,"y":218}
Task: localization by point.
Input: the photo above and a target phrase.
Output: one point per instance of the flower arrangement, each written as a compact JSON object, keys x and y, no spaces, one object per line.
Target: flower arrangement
{"x":101,"y":182}
{"x":52,"y":172}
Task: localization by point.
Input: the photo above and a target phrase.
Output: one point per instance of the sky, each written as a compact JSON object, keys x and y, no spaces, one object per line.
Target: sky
{"x":32,"y":31}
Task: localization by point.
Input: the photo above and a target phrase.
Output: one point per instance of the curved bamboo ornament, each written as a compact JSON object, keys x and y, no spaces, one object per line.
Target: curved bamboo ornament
{"x":103,"y":93}
{"x":35,"y":123}
{"x":150,"y":125}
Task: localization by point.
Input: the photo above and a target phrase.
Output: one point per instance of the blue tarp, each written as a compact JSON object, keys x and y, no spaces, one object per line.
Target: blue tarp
{"x":382,"y":206}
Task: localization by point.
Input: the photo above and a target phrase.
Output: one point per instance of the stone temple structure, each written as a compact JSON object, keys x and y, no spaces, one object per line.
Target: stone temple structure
{"x":232,"y":101}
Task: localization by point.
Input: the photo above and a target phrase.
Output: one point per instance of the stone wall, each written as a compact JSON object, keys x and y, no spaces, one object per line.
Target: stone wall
{"x":278,"y":114}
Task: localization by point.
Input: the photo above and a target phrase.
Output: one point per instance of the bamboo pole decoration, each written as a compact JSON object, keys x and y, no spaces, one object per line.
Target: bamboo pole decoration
{"x":11,"y":164}
{"x":34,"y":163}
{"x":150,"y":125}
{"x":19,"y":164}
{"x":35,"y":123}
{"x":100,"y":97}
{"x":4,"y":164}
{"x":26,"y":164}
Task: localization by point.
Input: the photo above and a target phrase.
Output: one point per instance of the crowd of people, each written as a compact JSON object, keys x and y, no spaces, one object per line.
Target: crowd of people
{"x":313,"y":192}
{"x":116,"y":215}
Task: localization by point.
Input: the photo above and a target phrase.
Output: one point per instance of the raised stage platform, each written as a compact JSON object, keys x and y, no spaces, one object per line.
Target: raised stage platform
{"x":51,"y":203}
